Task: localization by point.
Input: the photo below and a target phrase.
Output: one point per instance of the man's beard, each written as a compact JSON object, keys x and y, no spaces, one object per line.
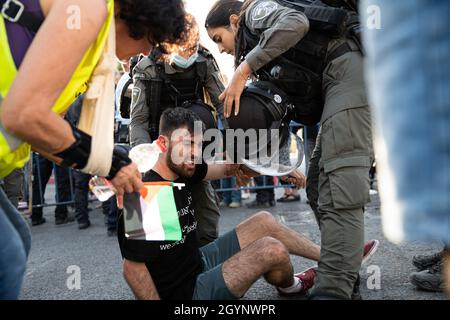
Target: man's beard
{"x":178,"y":169}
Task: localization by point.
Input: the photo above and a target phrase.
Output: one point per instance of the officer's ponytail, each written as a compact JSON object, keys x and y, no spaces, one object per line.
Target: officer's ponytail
{"x":219,"y":15}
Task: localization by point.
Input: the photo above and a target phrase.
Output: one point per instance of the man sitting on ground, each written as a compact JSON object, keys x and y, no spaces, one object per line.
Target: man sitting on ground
{"x":225,"y":268}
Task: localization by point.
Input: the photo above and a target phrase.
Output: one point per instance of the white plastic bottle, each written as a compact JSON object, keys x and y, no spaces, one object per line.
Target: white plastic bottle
{"x":144,"y":156}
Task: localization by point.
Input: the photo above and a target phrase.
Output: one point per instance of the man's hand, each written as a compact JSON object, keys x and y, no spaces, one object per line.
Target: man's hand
{"x":244,"y":175}
{"x":127,"y":180}
{"x":296,"y":178}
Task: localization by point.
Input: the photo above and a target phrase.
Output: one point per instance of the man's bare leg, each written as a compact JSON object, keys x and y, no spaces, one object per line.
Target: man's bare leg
{"x":266,"y":257}
{"x":263,"y":224}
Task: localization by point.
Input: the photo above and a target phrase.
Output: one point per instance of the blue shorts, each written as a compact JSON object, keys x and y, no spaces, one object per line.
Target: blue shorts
{"x":210,"y":284}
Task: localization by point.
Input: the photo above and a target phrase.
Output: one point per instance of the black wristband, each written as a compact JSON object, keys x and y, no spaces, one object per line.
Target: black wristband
{"x":77,"y":155}
{"x":120,"y":159}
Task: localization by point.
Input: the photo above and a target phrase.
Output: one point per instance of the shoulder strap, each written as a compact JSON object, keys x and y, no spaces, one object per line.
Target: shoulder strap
{"x":14,"y":11}
{"x":201,"y":70}
{"x":125,"y":109}
{"x":351,"y":5}
{"x":209,"y":57}
{"x":153,"y":90}
{"x":133,"y":62}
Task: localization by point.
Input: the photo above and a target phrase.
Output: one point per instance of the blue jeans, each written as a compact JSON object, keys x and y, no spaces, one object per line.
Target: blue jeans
{"x":408,"y":76}
{"x":42,"y":170}
{"x":81,"y":196}
{"x":231,"y":196}
{"x":15,"y":242}
{"x":111,"y":211}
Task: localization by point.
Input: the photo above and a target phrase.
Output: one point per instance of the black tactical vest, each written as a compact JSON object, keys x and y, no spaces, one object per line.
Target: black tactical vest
{"x":174,"y":90}
{"x":298,"y":72}
{"x":181,"y":87}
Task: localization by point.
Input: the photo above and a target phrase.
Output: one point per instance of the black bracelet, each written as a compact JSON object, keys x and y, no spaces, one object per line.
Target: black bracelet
{"x":77,"y":155}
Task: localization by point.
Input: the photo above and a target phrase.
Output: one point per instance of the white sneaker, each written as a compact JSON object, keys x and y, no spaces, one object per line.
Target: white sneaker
{"x":235,"y":205}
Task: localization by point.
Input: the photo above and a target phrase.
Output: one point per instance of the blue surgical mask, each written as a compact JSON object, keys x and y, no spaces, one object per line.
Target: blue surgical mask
{"x":184,"y":63}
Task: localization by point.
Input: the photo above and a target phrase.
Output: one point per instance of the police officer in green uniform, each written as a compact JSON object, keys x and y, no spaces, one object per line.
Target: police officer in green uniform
{"x":192,"y":75}
{"x":319,"y":64}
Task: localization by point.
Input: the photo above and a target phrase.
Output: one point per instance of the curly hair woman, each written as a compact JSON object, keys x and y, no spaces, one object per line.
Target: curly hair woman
{"x":48,"y":52}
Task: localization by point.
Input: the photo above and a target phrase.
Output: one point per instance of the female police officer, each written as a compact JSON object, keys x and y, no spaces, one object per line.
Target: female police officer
{"x":48,"y":51}
{"x":322,"y":74}
{"x":189,"y":77}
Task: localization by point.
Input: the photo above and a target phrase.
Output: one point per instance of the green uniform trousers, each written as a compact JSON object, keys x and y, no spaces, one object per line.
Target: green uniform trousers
{"x":338,"y":189}
{"x":206,"y":212}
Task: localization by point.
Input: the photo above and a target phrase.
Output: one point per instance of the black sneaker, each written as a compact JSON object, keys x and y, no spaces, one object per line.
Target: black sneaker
{"x":37,"y":222}
{"x":84,"y":225}
{"x":65,"y":220}
{"x":429,"y":280}
{"x":425,"y":262}
{"x":356,"y":294}
{"x":259,"y":205}
{"x":112,"y":233}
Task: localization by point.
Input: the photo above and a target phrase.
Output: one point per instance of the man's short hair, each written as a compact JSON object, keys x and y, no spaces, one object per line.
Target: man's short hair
{"x":177,"y":118}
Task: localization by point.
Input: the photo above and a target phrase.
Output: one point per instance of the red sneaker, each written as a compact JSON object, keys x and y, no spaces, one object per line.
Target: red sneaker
{"x":306,"y":278}
{"x":370,"y":247}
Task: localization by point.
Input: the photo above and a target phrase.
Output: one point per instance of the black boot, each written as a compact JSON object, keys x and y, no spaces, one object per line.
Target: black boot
{"x":429,"y":280}
{"x":84,"y":224}
{"x":425,"y":262}
{"x":64,"y":220}
{"x":356,"y":294}
{"x":259,"y":205}
{"x":37,"y":221}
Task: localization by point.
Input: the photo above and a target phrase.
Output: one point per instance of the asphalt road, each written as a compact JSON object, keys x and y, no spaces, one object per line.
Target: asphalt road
{"x":59,"y":252}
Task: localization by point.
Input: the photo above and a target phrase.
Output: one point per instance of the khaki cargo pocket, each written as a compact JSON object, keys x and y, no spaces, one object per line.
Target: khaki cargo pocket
{"x":337,"y":136}
{"x":349,"y":181}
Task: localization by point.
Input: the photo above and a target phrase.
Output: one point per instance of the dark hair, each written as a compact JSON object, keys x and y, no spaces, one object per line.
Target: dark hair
{"x":188,"y":40}
{"x":219,"y":15}
{"x":177,"y":118}
{"x":158,"y":21}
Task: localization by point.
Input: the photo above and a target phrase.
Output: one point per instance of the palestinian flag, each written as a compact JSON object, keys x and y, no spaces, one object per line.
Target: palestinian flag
{"x":152,"y":215}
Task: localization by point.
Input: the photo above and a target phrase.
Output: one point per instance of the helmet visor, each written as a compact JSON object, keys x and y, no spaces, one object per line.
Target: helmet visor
{"x":280,"y":157}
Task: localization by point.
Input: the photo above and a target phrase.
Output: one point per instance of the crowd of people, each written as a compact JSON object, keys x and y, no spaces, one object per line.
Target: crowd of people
{"x":291,"y":67}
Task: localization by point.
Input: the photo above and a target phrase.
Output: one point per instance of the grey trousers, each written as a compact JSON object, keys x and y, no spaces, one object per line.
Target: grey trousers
{"x":13,"y":184}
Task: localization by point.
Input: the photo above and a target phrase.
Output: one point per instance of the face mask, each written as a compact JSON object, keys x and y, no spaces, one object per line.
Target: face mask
{"x":184,"y":63}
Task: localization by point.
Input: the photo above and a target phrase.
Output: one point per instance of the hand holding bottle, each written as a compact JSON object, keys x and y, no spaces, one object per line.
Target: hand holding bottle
{"x":128,"y":179}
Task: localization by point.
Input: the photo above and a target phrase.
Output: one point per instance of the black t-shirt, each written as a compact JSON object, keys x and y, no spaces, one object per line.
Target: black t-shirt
{"x":174,"y":266}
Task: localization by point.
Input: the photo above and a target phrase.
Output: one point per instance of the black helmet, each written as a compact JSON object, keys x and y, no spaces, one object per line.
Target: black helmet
{"x":203,"y":111}
{"x":264,"y":106}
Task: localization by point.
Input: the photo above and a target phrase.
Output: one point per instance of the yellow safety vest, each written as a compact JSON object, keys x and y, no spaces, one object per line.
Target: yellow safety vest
{"x":17,"y":158}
